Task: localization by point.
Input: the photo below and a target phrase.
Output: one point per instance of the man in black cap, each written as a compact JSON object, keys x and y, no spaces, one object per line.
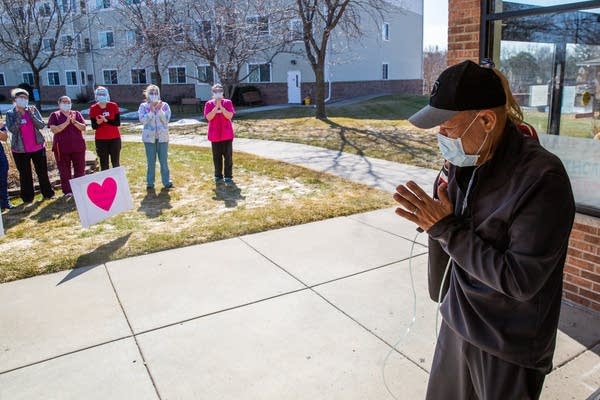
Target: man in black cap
{"x":500,"y":222}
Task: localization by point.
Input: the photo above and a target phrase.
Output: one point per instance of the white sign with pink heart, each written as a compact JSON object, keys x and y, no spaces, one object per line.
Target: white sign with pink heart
{"x":101,"y":195}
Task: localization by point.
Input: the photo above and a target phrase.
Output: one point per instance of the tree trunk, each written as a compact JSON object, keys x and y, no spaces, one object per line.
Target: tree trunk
{"x":36,"y":85}
{"x":157,"y":74}
{"x":320,"y":92}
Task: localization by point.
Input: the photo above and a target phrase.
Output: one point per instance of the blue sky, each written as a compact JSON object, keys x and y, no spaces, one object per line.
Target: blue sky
{"x":435,"y":23}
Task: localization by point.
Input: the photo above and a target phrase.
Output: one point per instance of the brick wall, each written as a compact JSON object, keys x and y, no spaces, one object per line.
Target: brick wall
{"x":582,"y":269}
{"x":276,"y":93}
{"x":463,"y":30}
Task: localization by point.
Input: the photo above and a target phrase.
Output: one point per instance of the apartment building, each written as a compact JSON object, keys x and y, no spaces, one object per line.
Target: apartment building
{"x":385,"y":59}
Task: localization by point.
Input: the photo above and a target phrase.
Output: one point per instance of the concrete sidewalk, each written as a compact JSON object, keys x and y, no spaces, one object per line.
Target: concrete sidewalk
{"x":306,"y":312}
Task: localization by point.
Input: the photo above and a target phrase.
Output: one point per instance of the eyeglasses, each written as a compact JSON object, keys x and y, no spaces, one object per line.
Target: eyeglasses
{"x":487,"y":63}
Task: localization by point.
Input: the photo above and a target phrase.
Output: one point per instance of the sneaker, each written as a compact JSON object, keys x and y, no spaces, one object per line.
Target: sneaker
{"x":7,"y":206}
{"x":68,"y":195}
{"x":150,"y":187}
{"x":218,"y":180}
{"x":169,"y":185}
{"x":228,"y":180}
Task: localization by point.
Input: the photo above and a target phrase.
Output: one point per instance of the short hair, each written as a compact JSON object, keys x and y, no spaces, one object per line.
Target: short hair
{"x":217,"y":86}
{"x":63,"y":97}
{"x":17,"y":91}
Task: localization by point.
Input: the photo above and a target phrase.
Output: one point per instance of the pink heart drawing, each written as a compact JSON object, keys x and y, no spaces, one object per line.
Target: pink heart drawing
{"x":103,"y":195}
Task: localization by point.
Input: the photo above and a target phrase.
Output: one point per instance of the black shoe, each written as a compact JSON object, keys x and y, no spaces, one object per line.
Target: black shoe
{"x":7,"y":206}
{"x":169,"y":185}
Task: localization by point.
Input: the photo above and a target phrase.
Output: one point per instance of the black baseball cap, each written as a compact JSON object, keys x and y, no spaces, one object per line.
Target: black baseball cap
{"x":461,"y":87}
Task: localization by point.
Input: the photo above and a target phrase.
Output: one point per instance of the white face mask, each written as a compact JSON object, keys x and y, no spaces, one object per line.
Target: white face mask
{"x":453,"y":150}
{"x":21,"y":102}
{"x":65,"y":106}
{"x":218,"y":95}
{"x":153,"y":98}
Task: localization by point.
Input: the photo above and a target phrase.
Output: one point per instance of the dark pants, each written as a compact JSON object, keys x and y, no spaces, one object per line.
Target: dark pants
{"x":223,"y":154}
{"x":64,"y":161}
{"x":461,"y":371}
{"x":106,"y":148}
{"x":40,"y":163}
{"x":3,"y":178}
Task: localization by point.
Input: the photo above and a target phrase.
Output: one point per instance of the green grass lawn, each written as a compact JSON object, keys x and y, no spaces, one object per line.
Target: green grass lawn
{"x":374,"y":128}
{"x":47,"y":237}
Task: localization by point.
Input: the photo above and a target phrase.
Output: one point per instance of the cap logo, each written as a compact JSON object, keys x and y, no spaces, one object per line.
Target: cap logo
{"x":434,"y":90}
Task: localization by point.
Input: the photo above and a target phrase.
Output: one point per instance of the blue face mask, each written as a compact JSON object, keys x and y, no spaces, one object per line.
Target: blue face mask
{"x":453,"y":151}
{"x":102,"y":99}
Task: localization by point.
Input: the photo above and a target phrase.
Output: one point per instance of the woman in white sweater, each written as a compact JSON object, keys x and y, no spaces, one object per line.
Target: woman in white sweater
{"x":155,"y":115}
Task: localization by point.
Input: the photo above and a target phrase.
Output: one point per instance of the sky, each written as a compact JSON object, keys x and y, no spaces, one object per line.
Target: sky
{"x":435,"y":23}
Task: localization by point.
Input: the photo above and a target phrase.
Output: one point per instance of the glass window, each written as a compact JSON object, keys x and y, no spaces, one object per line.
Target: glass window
{"x":258,"y":25}
{"x":44,"y":10}
{"x":385,"y":31}
{"x":27,"y":77}
{"x":138,"y":76}
{"x":2,"y":80}
{"x":134,"y":37}
{"x":71,"y":78}
{"x":296,"y":30}
{"x":110,"y":77}
{"x":384,"y":71}
{"x":53,"y":78}
{"x":259,"y":73}
{"x":47,"y":45}
{"x":66,"y":41}
{"x":102,"y":4}
{"x":206,"y":74}
{"x":500,"y":6}
{"x":106,"y":39}
{"x":552,"y":61}
{"x":177,"y":75}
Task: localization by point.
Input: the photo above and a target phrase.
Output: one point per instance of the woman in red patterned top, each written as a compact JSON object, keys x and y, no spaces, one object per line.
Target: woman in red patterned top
{"x":106,"y":120}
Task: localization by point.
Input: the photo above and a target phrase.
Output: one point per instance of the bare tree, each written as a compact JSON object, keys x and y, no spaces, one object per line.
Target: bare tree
{"x":434,"y":62}
{"x":154,"y":31}
{"x":31,"y":30}
{"x":228,"y":34}
{"x":319,"y":19}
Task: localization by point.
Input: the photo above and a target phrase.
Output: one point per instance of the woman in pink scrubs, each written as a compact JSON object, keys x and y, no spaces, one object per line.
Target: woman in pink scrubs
{"x":27,"y":144}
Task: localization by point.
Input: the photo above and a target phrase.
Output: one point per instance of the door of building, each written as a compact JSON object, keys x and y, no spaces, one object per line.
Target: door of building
{"x":293,"y":84}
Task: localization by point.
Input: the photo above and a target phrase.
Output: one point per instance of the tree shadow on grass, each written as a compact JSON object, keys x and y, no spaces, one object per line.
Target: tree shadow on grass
{"x":229,"y":193}
{"x":96,"y":257}
{"x":153,"y":204}
{"x":16,"y":215}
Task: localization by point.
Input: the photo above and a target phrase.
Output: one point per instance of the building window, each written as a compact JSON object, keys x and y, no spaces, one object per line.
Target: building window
{"x":110,"y":77}
{"x":47,"y":45}
{"x":2,"y":80}
{"x":385,"y":31}
{"x":66,"y":41}
{"x":177,"y":75}
{"x":552,"y":61}
{"x":53,"y":78}
{"x":82,"y":75}
{"x":138,"y":76}
{"x":206,"y":74}
{"x":258,"y":25}
{"x":44,"y":10}
{"x":296,"y":30}
{"x":102,"y":4}
{"x":27,"y":77}
{"x":134,"y":37}
{"x":106,"y":39}
{"x":67,"y":6}
{"x":259,"y":73}
{"x":205,"y":30}
{"x":71,"y":78}
{"x":384,"y":71}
